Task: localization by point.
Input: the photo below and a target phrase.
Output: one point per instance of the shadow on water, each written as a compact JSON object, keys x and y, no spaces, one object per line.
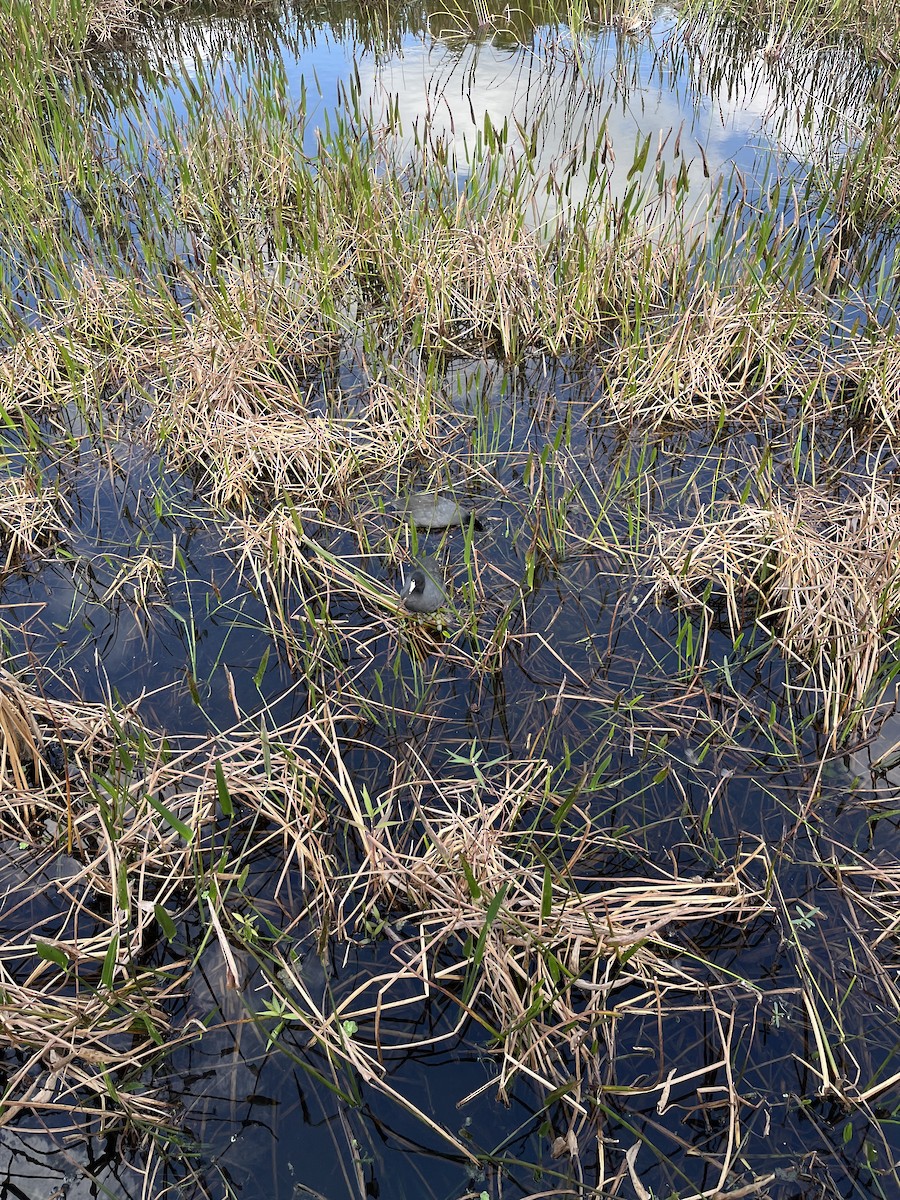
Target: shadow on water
{"x":554,"y":648}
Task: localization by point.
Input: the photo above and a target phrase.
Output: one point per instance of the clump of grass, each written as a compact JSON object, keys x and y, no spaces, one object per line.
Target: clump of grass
{"x":818,"y":21}
{"x":869,"y":368}
{"x":550,"y":949}
{"x":236,"y":398}
{"x":479,"y":276}
{"x":100,"y":334}
{"x":140,"y":578}
{"x":31,"y":516}
{"x":72,"y":1001}
{"x":20,"y":737}
{"x":298,"y":581}
{"x":248,"y":455}
{"x":58,"y":29}
{"x":722,"y":553}
{"x":526,"y":932}
{"x":131,"y":832}
{"x":331,"y":611}
{"x":822,"y":574}
{"x":724,"y":356}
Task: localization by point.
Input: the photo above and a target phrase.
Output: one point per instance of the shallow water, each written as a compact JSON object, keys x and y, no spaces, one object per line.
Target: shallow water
{"x":594,"y":666}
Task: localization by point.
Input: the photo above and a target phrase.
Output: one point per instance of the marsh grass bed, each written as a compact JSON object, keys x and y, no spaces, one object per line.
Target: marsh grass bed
{"x":584,"y":884}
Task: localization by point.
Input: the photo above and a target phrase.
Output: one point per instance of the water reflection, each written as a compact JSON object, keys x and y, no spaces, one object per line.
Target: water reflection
{"x":706,"y":96}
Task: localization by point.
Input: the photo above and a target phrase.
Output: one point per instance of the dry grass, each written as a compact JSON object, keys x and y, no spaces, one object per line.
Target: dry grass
{"x":532,"y":934}
{"x":238,"y":403}
{"x":36,"y":371}
{"x":282,"y":558}
{"x":97,"y":337}
{"x":871,"y":371}
{"x":554,"y":951}
{"x":873,"y":23}
{"x":85,"y":1007}
{"x":823,"y":574}
{"x":546,"y":953}
{"x":66,"y":26}
{"x":75,"y":1002}
{"x":314,"y":459}
{"x":721,"y":357}
{"x":335,"y":614}
{"x":839,"y":948}
{"x":110,"y":19}
{"x":498,"y":282}
{"x":140,"y":579}
{"x":472,"y":283}
{"x":30,"y":518}
{"x":20,"y":738}
{"x":729,"y":551}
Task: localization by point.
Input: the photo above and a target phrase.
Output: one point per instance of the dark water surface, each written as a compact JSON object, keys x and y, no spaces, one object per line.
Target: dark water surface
{"x":589,"y":644}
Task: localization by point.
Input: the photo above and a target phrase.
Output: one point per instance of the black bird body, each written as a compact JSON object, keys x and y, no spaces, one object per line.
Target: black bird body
{"x":423,"y":589}
{"x":432,"y":510}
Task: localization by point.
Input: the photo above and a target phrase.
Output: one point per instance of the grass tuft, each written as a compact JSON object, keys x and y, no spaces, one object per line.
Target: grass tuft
{"x":822,"y":574}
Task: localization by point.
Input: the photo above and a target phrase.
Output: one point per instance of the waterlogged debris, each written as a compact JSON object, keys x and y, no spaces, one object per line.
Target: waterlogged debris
{"x":431,"y":510}
{"x":423,"y":590}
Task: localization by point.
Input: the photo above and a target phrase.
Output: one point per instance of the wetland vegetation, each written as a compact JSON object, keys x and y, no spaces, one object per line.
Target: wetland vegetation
{"x":585,"y":884}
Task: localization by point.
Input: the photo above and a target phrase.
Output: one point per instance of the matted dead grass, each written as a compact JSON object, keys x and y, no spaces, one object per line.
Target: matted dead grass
{"x":109,"y":20}
{"x":20,"y":738}
{"x":858,"y":900}
{"x":822,"y":574}
{"x":280,"y":557}
{"x":258,"y":329}
{"x":30,"y":518}
{"x":246,"y":457}
{"x":724,"y":356}
{"x":870,"y":370}
{"x":130,"y":833}
{"x":530,"y":930}
{"x":99,"y":336}
{"x":524,"y":931}
{"x":873,"y":23}
{"x":72,"y":1003}
{"x":239,"y":406}
{"x":556,"y":945}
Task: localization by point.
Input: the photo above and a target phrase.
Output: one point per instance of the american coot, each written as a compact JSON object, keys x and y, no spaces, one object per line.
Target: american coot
{"x":431,"y":510}
{"x":423,"y":589}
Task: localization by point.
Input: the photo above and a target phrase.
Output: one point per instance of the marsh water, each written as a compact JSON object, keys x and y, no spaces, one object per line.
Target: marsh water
{"x":724,"y":116}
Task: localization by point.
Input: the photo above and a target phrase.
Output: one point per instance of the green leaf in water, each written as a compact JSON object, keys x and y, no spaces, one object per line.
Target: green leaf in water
{"x":186,"y":832}
{"x":224,"y":794}
{"x":52,"y":954}
{"x":261,"y":669}
{"x":166,"y":924}
{"x":471,"y":881}
{"x":109,"y":963}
